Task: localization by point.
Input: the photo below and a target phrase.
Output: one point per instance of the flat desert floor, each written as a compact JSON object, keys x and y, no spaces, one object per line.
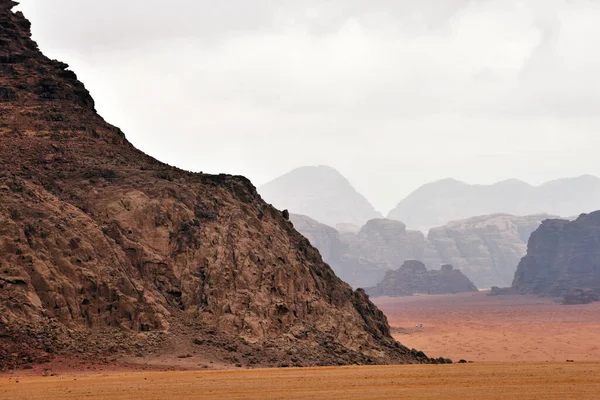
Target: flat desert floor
{"x":478,"y":327}
{"x":459,"y":381}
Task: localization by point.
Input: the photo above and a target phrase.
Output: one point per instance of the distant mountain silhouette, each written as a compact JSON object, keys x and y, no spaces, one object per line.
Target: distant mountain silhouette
{"x":440,"y":202}
{"x":321,"y":193}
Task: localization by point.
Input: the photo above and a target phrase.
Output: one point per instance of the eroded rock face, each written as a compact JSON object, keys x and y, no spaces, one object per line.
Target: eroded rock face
{"x":379,"y":246}
{"x":96,"y":236}
{"x":487,"y":249}
{"x":362,"y":257}
{"x":563,"y":260}
{"x":413,"y":277}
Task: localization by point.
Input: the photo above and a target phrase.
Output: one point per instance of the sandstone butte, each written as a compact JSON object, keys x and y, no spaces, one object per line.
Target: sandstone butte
{"x":105,"y":251}
{"x":563,"y":260}
{"x":414,"y":278}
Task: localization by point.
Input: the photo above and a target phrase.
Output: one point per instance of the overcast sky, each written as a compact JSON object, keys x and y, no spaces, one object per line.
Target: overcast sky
{"x":393,"y":93}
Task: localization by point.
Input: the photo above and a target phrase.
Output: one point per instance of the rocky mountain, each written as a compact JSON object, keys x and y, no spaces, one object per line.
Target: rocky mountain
{"x":105,"y":251}
{"x":438,"y":203}
{"x":563,"y":260}
{"x":321,"y":193}
{"x":362,"y":258}
{"x":414,"y":278}
{"x":486,"y":249}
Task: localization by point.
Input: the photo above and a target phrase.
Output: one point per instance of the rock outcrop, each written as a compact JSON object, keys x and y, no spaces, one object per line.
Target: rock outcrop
{"x":580,"y":296}
{"x":414,"y":278}
{"x":321,"y":193}
{"x":487,"y":249}
{"x":99,"y":242}
{"x":438,"y":203}
{"x":563,"y":260}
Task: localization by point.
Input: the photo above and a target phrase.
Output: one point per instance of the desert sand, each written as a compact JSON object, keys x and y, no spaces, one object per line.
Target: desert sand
{"x":478,"y":327}
{"x":458,"y":381}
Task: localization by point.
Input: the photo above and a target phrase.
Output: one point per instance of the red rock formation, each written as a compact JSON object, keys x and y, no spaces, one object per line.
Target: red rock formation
{"x":99,"y":241}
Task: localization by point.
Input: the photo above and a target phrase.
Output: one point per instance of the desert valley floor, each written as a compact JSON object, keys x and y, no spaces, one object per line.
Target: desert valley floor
{"x":519,"y":346}
{"x":459,"y":381}
{"x":478,"y":327}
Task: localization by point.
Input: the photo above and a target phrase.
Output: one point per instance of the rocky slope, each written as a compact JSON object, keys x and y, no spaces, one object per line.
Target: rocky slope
{"x":321,"y":193}
{"x":99,"y":242}
{"x":487,"y":249}
{"x":563,"y":260}
{"x":438,"y":203}
{"x":413,"y":277}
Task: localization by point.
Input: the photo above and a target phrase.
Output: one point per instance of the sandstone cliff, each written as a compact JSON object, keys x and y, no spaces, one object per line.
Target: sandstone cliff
{"x":99,"y":241}
{"x":437,"y":203}
{"x":379,"y":246}
{"x":362,"y":258}
{"x":563,"y":260}
{"x":414,"y":278}
{"x":321,"y":193}
{"x":487,"y":249}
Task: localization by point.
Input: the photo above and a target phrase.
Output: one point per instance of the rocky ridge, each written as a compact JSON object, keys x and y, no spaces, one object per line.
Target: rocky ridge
{"x":105,"y":251}
{"x":438,"y":203}
{"x":414,"y":278}
{"x":487,"y":249}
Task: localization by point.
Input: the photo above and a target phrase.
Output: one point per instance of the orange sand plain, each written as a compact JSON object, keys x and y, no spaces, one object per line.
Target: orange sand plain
{"x":459,"y":381}
{"x":478,"y":327}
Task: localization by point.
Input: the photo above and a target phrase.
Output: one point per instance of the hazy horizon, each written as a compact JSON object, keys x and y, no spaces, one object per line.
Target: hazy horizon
{"x":393,"y":94}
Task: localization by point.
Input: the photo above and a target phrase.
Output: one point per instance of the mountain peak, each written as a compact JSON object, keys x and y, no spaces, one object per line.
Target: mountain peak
{"x":320,"y":192}
{"x":512,"y":182}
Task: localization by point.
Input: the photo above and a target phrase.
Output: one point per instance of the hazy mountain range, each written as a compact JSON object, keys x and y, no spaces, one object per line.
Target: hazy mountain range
{"x":440,"y":202}
{"x":325,"y":195}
